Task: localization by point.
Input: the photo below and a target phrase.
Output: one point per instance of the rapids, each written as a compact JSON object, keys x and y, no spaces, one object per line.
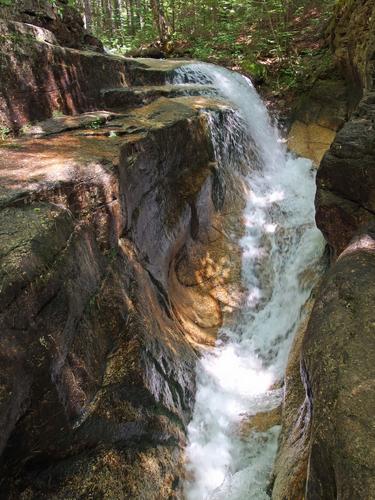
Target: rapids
{"x":281,"y":243}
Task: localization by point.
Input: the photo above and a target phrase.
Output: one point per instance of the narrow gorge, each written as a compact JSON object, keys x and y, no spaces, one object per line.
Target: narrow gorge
{"x":186,"y":294}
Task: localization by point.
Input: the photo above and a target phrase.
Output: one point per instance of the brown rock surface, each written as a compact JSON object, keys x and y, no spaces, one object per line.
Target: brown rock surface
{"x":39,"y":78}
{"x":131,"y":97}
{"x":290,"y":469}
{"x":347,"y":172}
{"x":337,"y":349}
{"x":58,"y":17}
{"x":338,"y":362}
{"x":352,"y":37}
{"x":260,"y":422}
{"x":98,"y":373}
{"x":318,"y":117}
{"x":336,"y":94}
{"x":347,"y":175}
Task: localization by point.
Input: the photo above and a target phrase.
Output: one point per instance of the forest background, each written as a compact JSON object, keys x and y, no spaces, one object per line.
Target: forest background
{"x":281,"y":44}
{"x":276,"y":42}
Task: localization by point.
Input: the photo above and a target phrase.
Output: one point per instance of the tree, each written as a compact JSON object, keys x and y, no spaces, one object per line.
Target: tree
{"x":160,"y":22}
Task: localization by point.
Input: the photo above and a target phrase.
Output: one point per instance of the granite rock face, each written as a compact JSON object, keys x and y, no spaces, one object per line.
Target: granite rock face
{"x":110,"y":223}
{"x":61,"y":19}
{"x":332,"y":432}
{"x":318,"y":117}
{"x":115,"y":267}
{"x":338,"y":353}
{"x":290,"y":468}
{"x":338,"y":364}
{"x":103,"y":236}
{"x":346,"y":178}
{"x":41,"y":78}
{"x":352,"y":40}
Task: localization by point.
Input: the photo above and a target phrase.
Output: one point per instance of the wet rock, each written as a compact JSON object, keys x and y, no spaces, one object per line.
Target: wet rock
{"x":261,"y":422}
{"x":339,"y":369}
{"x":347,"y":175}
{"x":186,"y":195}
{"x":148,"y":71}
{"x":60,"y":124}
{"x":126,"y":98}
{"x":290,"y":469}
{"x":319,"y":115}
{"x":336,"y":438}
{"x":98,"y":365}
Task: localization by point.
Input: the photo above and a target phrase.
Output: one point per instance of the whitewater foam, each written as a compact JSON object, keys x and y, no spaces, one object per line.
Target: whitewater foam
{"x":280,"y":243}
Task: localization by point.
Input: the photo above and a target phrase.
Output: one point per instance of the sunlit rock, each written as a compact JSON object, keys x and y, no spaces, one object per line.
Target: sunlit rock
{"x":98,"y":364}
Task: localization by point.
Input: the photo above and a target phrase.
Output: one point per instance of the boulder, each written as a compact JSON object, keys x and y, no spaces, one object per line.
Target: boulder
{"x":339,"y":370}
{"x":347,"y":178}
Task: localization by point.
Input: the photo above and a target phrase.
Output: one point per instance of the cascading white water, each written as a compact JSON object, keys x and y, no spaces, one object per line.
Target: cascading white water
{"x":281,"y":243}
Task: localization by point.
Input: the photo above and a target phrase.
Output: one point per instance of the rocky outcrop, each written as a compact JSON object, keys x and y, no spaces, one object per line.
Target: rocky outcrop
{"x":290,"y":468}
{"x":140,"y":95}
{"x":337,"y":92}
{"x":338,"y":356}
{"x":40,"y":78}
{"x":58,"y":17}
{"x":116,"y":264}
{"x":100,"y":226}
{"x":346,"y":178}
{"x":318,"y":117}
{"x":337,"y":353}
{"x":352,"y":40}
{"x":338,"y":363}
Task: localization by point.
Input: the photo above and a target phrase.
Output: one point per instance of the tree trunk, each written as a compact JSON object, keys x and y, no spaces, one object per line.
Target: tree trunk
{"x":88,"y":14}
{"x":117,"y":14}
{"x":160,"y":22}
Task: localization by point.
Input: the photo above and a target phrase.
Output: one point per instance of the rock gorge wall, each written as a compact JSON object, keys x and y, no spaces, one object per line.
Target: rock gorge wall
{"x":327,"y":444}
{"x":114,"y":268}
{"x":46,"y":72}
{"x":338,"y":353}
{"x":58,"y":18}
{"x":116,"y":263}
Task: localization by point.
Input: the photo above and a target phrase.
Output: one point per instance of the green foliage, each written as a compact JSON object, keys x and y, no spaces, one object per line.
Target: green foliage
{"x":96,"y":124}
{"x":258,"y":37}
{"x":4,"y":132}
{"x":253,"y":68}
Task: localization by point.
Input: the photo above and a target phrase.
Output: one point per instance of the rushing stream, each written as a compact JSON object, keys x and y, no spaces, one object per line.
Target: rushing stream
{"x":281,"y":246}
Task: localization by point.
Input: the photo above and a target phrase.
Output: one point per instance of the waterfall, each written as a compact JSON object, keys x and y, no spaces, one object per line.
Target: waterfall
{"x":280,"y":244}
